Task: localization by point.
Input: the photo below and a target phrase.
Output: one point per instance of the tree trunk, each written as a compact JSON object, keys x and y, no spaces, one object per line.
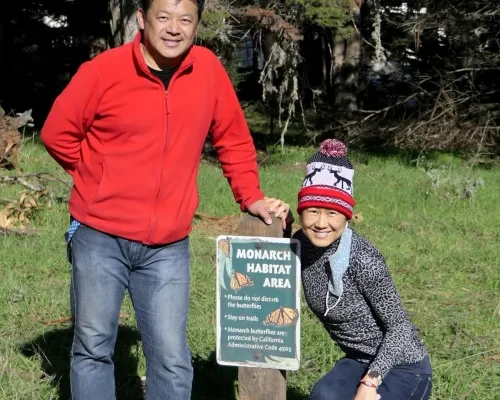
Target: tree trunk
{"x":123,"y":21}
{"x":347,"y":56}
{"x":338,"y":64}
{"x":2,"y":58}
{"x":1,"y":43}
{"x":88,"y":29}
{"x":269,"y":39}
{"x":324,"y":69}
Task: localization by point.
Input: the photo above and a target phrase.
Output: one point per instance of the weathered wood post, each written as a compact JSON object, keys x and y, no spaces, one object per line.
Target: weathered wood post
{"x":261,"y":383}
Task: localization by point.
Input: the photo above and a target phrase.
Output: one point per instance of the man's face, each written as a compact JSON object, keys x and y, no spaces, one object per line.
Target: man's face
{"x":169,"y":27}
{"x":322,"y":226}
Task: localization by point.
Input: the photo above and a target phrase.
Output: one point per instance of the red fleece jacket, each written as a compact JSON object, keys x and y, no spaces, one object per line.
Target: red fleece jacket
{"x":134,"y":147}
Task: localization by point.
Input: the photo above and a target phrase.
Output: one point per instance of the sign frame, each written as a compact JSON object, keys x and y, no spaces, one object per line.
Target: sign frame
{"x":225,"y":245}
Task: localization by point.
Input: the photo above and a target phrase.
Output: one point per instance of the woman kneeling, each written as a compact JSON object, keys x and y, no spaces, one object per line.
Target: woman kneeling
{"x":348,"y":286}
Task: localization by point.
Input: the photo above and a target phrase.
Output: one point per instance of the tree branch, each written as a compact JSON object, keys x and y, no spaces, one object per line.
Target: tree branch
{"x":19,"y":232}
{"x":473,"y":69}
{"x":375,"y":112}
{"x":39,"y":175}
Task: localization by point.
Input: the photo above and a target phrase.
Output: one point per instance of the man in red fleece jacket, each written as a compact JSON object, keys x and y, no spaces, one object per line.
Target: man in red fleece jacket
{"x":130,"y":128}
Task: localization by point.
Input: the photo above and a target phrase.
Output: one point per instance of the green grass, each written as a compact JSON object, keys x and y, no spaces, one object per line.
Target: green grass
{"x":442,"y":251}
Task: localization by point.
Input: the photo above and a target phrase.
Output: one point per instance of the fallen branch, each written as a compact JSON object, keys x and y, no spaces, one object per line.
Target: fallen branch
{"x":50,"y":323}
{"x":4,"y":367}
{"x":467,"y":357}
{"x":68,"y":319}
{"x":207,"y":216}
{"x":19,"y":232}
{"x":473,"y":69}
{"x":55,"y":178}
{"x":471,"y":389}
{"x":262,"y":161}
{"x":21,"y":181}
{"x":29,"y":185}
{"x":39,"y":175}
{"x":375,"y":112}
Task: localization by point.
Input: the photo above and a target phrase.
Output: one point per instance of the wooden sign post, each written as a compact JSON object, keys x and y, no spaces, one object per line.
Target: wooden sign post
{"x":260,"y":383}
{"x":258,"y":307}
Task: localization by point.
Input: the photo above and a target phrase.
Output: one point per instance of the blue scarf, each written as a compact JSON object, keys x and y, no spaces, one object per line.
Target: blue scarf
{"x":339,"y":262}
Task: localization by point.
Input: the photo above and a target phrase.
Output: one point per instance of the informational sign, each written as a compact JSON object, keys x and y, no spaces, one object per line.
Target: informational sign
{"x":258,"y":302}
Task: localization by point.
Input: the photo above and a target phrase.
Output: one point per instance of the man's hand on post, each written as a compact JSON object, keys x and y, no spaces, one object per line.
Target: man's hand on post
{"x":263,"y":208}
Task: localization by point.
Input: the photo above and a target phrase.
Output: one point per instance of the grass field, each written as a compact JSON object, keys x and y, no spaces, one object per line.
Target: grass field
{"x":436,"y":220}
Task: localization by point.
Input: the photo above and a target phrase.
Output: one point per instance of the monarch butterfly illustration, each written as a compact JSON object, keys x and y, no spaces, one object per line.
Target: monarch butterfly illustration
{"x":283,"y":316}
{"x":239,"y":281}
{"x":224,"y":247}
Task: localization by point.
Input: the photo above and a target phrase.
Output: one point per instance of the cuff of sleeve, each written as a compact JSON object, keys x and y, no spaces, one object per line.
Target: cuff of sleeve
{"x":377,"y":367}
{"x":247,"y":203}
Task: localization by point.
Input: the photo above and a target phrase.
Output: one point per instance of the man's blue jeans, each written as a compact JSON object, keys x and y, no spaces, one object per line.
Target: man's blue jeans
{"x":157,"y":278}
{"x":403,"y":382}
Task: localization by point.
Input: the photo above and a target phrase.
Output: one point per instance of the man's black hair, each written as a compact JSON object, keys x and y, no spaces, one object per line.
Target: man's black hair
{"x":145,"y":4}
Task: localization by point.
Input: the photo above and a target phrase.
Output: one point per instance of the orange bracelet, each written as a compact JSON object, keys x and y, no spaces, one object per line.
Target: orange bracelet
{"x":369,"y":384}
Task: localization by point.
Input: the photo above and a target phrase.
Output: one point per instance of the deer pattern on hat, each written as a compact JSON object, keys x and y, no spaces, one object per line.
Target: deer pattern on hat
{"x":330,"y":167}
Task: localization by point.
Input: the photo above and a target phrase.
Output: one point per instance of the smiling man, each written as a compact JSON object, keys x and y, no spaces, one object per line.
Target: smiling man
{"x":130,"y":129}
{"x":169,"y":29}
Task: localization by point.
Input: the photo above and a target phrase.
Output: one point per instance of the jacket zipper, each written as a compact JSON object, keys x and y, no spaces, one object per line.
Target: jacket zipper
{"x":158,"y":186}
{"x":152,"y":224}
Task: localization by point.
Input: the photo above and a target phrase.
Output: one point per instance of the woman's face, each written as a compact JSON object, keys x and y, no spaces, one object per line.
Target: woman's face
{"x":322,"y":226}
